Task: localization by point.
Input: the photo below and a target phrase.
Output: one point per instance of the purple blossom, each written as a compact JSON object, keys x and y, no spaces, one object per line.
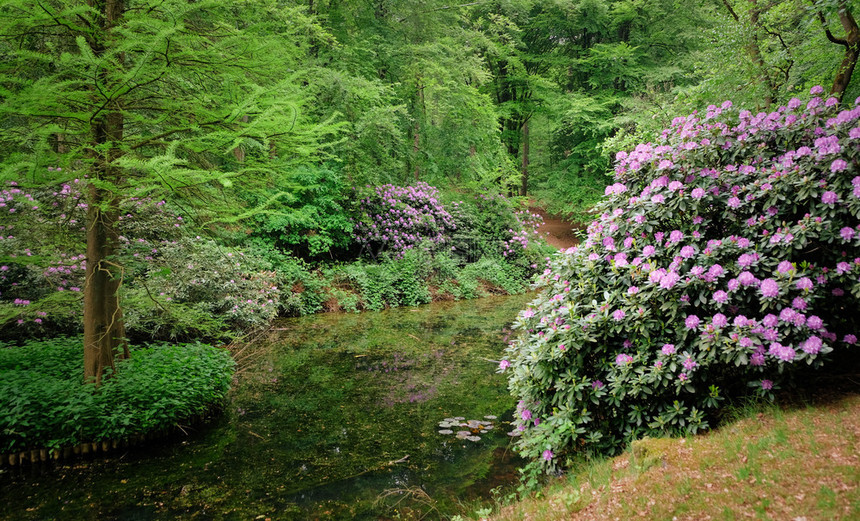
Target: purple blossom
{"x":697,"y":193}
{"x":719,"y":321}
{"x":597,"y":384}
{"x":548,"y":455}
{"x":785,"y":267}
{"x":829,"y":197}
{"x":769,"y":288}
{"x":766,"y":385}
{"x":648,"y":251}
{"x":623,"y":359}
{"x":838,"y":165}
{"x":689,"y":364}
{"x":846,"y":233}
{"x":668,"y":349}
{"x":618,"y":314}
{"x":692,"y":322}
{"x":814,"y":322}
{"x":850,"y":339}
{"x":721,"y":296}
{"x":812,"y":345}
{"x":669,"y":280}
{"x":804,"y":283}
{"x":632,"y":290}
{"x":747,"y":279}
{"x":504,"y":364}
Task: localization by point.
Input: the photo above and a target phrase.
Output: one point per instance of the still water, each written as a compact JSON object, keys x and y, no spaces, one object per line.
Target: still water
{"x":333,"y":416}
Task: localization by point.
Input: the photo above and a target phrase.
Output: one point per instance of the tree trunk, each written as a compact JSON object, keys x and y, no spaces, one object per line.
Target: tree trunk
{"x":755,"y":54}
{"x":104,"y":329}
{"x":852,"y":51}
{"x":416,"y":128}
{"x":524,"y":186}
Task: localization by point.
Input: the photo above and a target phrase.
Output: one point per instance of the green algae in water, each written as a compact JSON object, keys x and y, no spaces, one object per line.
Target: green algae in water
{"x":335,"y":417}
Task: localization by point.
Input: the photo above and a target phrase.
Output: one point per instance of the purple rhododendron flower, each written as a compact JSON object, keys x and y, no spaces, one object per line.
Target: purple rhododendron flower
{"x":648,"y":251}
{"x":846,"y":233}
{"x":689,"y":364}
{"x":548,"y":455}
{"x":668,"y":349}
{"x":597,"y":384}
{"x":814,"y":322}
{"x":721,"y":296}
{"x":692,"y":322}
{"x":697,"y":193}
{"x":829,"y":197}
{"x":746,"y":278}
{"x":669,"y":280}
{"x":719,"y":321}
{"x":767,"y":385}
{"x":838,"y":165}
{"x":785,"y":267}
{"x":804,"y":283}
{"x":850,"y":339}
{"x":623,"y":359}
{"x":526,"y":415}
{"x":812,"y":345}
{"x":769,"y":288}
{"x":618,"y":314}
{"x":504,"y":364}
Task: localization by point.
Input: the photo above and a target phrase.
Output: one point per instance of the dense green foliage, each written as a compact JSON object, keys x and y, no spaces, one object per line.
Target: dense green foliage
{"x":45,"y":403}
{"x":724,"y":260}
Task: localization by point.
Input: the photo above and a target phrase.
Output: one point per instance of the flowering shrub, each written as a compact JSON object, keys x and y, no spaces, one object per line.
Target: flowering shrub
{"x":197,"y":287}
{"x":173,"y":286}
{"x":725,"y":257}
{"x":400,"y":218}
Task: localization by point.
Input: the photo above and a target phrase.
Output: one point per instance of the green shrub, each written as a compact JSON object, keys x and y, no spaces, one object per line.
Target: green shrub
{"x":46,"y":404}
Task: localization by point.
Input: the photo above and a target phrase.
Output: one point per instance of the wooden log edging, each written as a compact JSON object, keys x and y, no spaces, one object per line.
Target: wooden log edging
{"x":104,"y":447}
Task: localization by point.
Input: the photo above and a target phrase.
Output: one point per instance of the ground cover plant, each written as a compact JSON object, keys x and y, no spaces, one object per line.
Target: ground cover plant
{"x":46,"y":403}
{"x":725,"y":259}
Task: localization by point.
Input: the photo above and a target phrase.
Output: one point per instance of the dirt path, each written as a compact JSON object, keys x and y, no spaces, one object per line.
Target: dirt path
{"x":557,"y":231}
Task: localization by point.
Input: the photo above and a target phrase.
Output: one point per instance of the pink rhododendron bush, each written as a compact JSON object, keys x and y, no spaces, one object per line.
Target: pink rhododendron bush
{"x":726,"y":257}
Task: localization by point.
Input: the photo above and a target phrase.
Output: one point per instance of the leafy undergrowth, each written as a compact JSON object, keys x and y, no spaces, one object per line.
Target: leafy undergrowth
{"x":45,"y":404}
{"x":776,"y":463}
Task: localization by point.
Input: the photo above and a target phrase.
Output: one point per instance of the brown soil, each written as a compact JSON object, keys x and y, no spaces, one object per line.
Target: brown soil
{"x":558,"y":231}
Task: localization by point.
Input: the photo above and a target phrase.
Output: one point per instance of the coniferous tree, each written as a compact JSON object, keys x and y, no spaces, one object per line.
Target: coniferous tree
{"x":143,"y":96}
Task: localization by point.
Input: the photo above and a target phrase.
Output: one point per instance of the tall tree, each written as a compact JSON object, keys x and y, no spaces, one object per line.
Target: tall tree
{"x":147,"y":95}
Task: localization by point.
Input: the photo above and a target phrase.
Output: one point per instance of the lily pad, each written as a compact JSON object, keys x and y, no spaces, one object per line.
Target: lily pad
{"x":473,"y":438}
{"x":490,"y":417}
{"x":446,"y":431}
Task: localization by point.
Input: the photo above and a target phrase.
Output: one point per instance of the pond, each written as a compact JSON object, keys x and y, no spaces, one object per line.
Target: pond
{"x":335,"y":416}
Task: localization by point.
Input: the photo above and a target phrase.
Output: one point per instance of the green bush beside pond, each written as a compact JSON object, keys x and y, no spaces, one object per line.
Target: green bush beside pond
{"x":44,"y":403}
